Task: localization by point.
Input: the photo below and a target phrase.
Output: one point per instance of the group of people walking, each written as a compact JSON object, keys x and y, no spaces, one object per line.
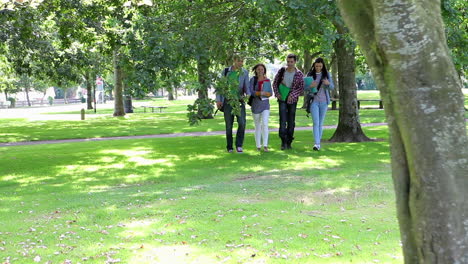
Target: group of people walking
{"x":289,"y":83}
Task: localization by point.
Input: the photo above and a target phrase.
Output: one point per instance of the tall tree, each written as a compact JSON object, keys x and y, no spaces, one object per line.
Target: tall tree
{"x":454,"y":13}
{"x":349,"y":126}
{"x":405,"y":45}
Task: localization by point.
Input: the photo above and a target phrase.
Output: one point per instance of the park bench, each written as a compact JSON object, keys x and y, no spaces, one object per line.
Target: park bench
{"x":5,"y":104}
{"x":369,"y":100}
{"x":334,"y":101}
{"x":153,"y":107}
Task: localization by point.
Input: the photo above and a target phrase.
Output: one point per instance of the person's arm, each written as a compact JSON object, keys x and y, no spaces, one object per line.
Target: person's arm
{"x":219,"y":97}
{"x":331,"y":85}
{"x":246,"y":83}
{"x":297,"y":87}
{"x":251,"y":85}
{"x":276,"y":85}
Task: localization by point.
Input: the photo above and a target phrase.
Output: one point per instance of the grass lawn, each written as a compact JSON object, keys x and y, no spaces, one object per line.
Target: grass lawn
{"x":172,"y":120}
{"x":184,"y":200}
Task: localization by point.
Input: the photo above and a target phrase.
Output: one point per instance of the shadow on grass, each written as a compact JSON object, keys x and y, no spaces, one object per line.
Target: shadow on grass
{"x":160,"y":199}
{"x":93,"y":166}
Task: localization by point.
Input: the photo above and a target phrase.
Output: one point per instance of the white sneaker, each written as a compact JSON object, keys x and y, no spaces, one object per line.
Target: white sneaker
{"x":316,"y":147}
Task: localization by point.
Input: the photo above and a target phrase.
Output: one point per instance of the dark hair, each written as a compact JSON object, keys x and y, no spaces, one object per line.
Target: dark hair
{"x":254,"y":69}
{"x":292,"y":56}
{"x":237,"y":57}
{"x":324,"y":69}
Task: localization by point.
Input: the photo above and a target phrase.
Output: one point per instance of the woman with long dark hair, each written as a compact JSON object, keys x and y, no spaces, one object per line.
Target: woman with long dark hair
{"x":320,"y":89}
{"x":260,"y":89}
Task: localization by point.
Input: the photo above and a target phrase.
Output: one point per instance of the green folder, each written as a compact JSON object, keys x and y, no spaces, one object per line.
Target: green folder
{"x":284,"y":91}
{"x":307,"y":82}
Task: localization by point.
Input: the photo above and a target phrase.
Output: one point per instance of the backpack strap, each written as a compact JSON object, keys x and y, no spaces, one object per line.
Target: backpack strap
{"x":226,"y":70}
{"x":320,"y":84}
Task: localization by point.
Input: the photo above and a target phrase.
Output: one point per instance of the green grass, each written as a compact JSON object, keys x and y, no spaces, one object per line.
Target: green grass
{"x":184,"y":200}
{"x":171,"y":120}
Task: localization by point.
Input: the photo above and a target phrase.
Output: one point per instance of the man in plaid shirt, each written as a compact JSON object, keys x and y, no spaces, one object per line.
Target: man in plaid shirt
{"x":288,"y":83}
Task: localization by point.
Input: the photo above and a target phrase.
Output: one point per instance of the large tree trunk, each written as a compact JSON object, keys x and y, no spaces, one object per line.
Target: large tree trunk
{"x":27,"y":95}
{"x":334,"y":72}
{"x":307,"y":61}
{"x":89,"y":90}
{"x":170,"y":95}
{"x":118,"y":86}
{"x":203,"y":72}
{"x":349,"y":127}
{"x":405,"y":45}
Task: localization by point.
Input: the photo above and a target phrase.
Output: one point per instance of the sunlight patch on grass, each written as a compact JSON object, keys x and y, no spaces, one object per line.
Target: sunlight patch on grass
{"x":203,"y":157}
{"x":141,"y":161}
{"x":168,"y":254}
{"x":33,"y":179}
{"x":9,"y":177}
{"x":92,"y":168}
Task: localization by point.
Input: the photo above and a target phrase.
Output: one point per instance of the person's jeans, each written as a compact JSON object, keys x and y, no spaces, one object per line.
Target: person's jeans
{"x":261,"y":128}
{"x":229,"y":121}
{"x":287,"y":114}
{"x":318,"y":110}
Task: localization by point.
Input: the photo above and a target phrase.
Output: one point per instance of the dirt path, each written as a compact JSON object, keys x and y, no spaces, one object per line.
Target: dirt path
{"x":188,"y":134}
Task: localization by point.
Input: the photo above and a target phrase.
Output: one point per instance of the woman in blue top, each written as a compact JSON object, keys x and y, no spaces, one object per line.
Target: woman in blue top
{"x":320,"y":88}
{"x":260,"y":88}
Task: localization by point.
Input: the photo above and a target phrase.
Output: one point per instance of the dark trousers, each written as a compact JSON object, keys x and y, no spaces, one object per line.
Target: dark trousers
{"x":229,"y":121}
{"x":287,"y":114}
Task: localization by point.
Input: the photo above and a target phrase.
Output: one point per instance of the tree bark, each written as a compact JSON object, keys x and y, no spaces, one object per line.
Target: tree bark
{"x":89,"y":90}
{"x":349,"y":128}
{"x":203,"y":71}
{"x":27,"y":95}
{"x":405,"y":46}
{"x":334,"y":72}
{"x":170,"y":94}
{"x":307,"y":61}
{"x":118,"y":86}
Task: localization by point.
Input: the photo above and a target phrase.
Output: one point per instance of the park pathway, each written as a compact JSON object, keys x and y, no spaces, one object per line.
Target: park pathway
{"x":187,"y":134}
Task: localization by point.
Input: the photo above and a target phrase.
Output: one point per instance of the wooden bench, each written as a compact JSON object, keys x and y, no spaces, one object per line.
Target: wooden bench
{"x":5,"y":104}
{"x":369,"y":100}
{"x":154,"y":107}
{"x":334,"y":101}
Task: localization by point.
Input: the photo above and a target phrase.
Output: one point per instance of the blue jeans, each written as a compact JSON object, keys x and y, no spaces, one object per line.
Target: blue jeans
{"x":229,"y":121}
{"x":318,"y":110}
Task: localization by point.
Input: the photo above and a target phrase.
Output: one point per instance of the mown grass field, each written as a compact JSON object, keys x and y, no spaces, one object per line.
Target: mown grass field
{"x":184,"y":200}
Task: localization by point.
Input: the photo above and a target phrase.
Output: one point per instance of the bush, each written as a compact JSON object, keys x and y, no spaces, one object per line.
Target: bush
{"x":50,"y":99}
{"x":12,"y":102}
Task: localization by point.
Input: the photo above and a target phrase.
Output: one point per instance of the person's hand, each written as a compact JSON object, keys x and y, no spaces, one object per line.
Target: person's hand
{"x":314,"y":84}
{"x":326,"y":82}
{"x":290,"y":100}
{"x":279,"y":97}
{"x":219,"y":105}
